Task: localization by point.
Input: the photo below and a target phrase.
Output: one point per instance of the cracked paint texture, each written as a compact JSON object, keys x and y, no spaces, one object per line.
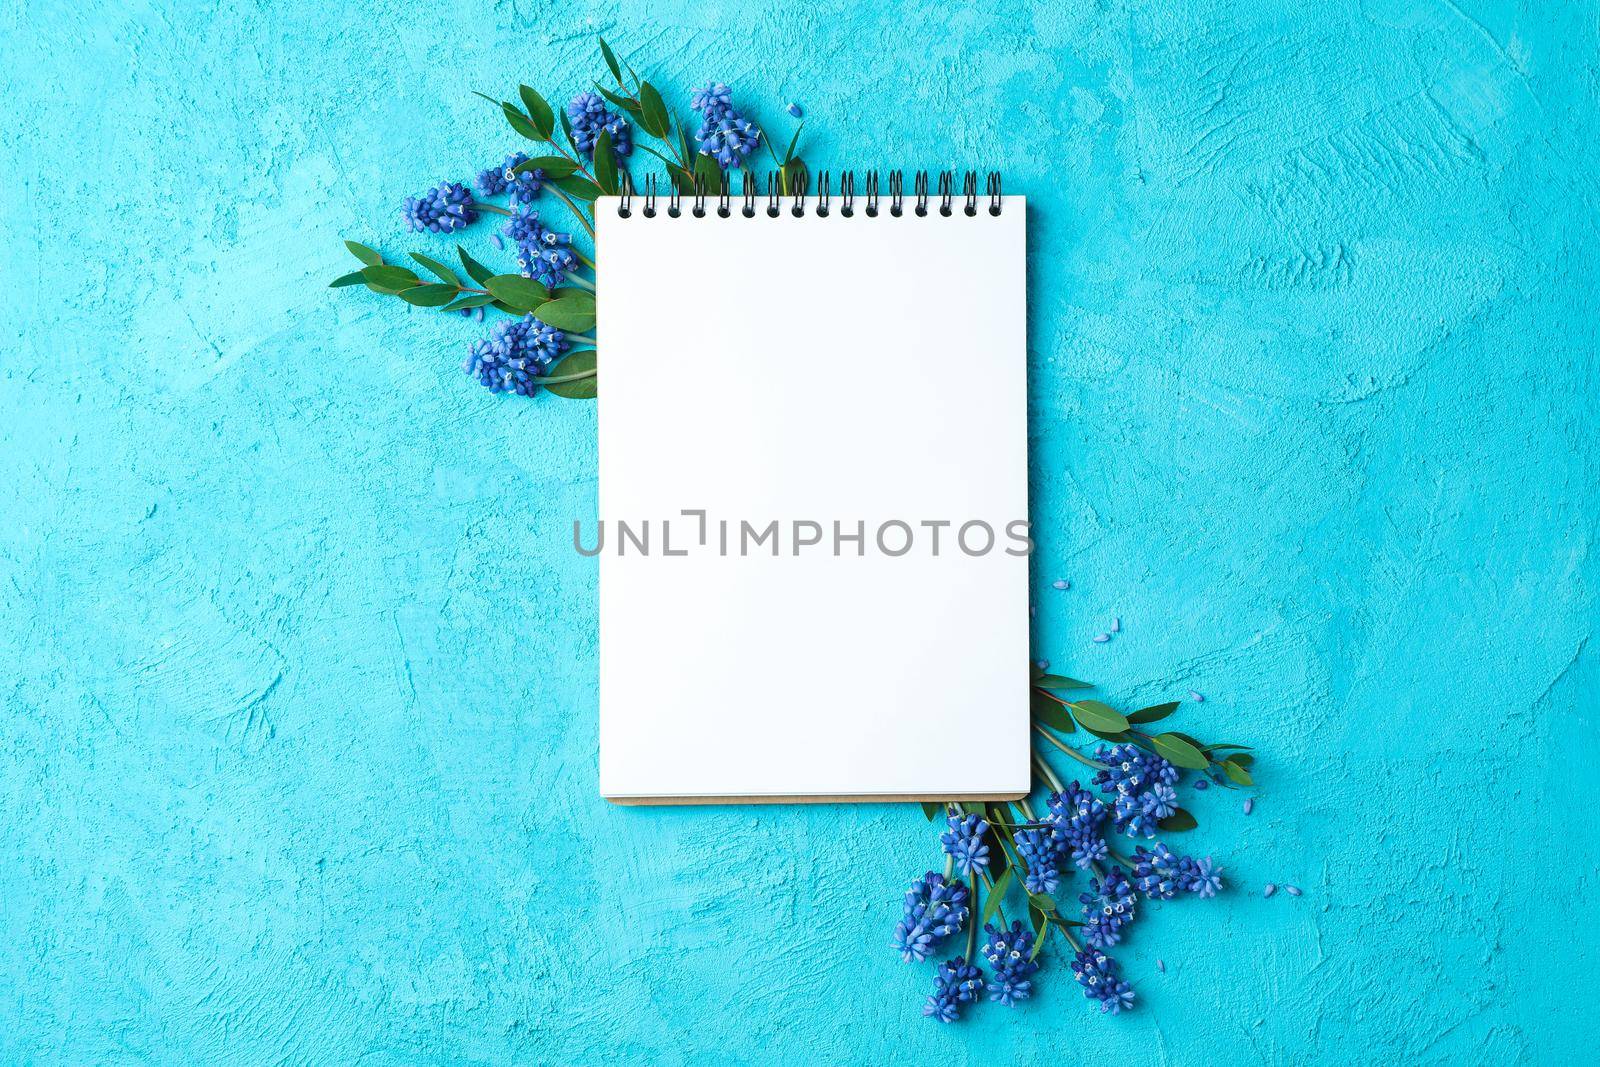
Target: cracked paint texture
{"x":297,"y":671}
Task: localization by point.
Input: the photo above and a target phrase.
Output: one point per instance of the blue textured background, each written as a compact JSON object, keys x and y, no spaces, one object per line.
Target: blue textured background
{"x":297,"y":753}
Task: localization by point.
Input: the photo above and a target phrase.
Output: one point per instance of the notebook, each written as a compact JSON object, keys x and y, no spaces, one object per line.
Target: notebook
{"x":812,"y":531}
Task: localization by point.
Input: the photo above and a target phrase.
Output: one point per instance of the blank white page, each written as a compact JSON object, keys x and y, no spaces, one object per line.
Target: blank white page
{"x":860,"y":370}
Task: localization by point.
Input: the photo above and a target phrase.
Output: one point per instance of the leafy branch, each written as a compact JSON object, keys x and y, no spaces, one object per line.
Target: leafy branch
{"x":576,"y":177}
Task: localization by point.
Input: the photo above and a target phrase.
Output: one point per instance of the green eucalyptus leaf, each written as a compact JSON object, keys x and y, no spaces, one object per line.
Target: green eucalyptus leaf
{"x":931,"y":810}
{"x":1035,"y":672}
{"x":520,"y":123}
{"x":1042,"y":902}
{"x":577,"y":298}
{"x":611,"y":60}
{"x":1059,"y":681}
{"x":553,"y":166}
{"x":576,"y":363}
{"x":795,"y":177}
{"x":390,"y":277}
{"x":1154,"y":713}
{"x":687,"y":151}
{"x":567,"y":313}
{"x":517,"y":291}
{"x":996,"y":895}
{"x":566,"y":128}
{"x":475,"y":270}
{"x":653,"y":112}
{"x":605,"y":163}
{"x":1232,"y":748}
{"x":369,"y":256}
{"x":439,"y":270}
{"x":578,"y":187}
{"x":708,"y":174}
{"x":1177,"y":822}
{"x":355,"y":277}
{"x":1093,"y":715}
{"x":471,"y":300}
{"x":429,"y":296}
{"x":544,"y":120}
{"x":1237,"y":773}
{"x":1040,"y":921}
{"x":1243,"y":759}
{"x":1049,"y":713}
{"x":1179,"y":750}
{"x":627,"y":104}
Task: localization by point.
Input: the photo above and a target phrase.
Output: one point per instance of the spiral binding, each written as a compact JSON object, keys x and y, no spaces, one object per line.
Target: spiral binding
{"x":750,"y":193}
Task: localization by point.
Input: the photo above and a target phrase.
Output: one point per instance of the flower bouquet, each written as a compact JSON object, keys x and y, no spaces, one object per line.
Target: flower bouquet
{"x":548,"y":342}
{"x":1028,"y":853}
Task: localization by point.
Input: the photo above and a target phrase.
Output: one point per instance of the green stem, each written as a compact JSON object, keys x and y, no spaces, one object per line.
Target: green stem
{"x":585,"y":260}
{"x":1069,"y":750}
{"x":581,"y":283}
{"x":559,"y":378}
{"x":676,"y":143}
{"x":1049,"y":775}
{"x":574,"y":209}
{"x":999,"y":909}
{"x":972,"y":923}
{"x":1027,"y":809}
{"x":474,"y":205}
{"x":1013,"y":857}
{"x":581,"y":338}
{"x":573,"y":159}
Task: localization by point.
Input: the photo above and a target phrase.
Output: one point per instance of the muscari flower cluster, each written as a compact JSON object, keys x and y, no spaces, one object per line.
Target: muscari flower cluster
{"x":523,"y":187}
{"x":515,"y":352}
{"x":445,"y":208}
{"x":542,"y":253}
{"x":1010,"y":956}
{"x":1101,"y":979}
{"x":963,"y":842}
{"x":1139,"y":789}
{"x":934,"y":909}
{"x":1142,"y":784}
{"x":590,"y":116}
{"x":956,"y":984}
{"x":724,"y":135}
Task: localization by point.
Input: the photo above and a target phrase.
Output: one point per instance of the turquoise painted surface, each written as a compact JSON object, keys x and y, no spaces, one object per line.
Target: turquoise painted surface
{"x":297,"y":753}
